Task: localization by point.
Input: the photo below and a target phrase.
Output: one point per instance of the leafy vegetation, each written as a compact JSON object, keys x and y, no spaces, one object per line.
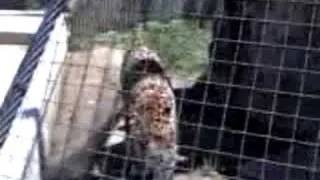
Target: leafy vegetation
{"x":181,"y":43}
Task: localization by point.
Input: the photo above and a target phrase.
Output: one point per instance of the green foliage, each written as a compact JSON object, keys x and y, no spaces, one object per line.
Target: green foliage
{"x":181,"y":43}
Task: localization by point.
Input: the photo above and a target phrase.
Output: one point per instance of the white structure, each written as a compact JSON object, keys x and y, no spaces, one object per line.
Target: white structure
{"x":19,"y":156}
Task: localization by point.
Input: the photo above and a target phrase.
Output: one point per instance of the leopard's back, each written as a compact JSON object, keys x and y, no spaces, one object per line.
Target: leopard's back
{"x":153,"y":106}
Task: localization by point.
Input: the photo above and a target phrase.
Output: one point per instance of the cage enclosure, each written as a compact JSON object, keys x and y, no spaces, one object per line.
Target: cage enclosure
{"x":184,"y":89}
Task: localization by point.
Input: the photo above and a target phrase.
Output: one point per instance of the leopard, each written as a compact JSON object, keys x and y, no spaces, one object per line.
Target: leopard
{"x":148,"y":116}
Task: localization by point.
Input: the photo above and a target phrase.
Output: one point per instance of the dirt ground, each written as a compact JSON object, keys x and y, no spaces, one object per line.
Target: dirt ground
{"x":89,"y":83}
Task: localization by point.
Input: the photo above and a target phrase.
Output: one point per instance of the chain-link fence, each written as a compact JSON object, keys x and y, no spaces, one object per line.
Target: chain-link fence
{"x":242,"y":73}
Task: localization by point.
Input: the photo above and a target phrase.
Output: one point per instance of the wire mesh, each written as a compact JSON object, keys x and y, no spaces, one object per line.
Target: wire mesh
{"x":244,"y":74}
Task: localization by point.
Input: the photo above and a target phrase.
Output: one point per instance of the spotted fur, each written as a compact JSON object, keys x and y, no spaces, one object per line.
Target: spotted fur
{"x":149,"y":111}
{"x":152,"y":108}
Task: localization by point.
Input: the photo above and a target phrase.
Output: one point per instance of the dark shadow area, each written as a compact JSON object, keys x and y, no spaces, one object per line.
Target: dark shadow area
{"x":261,"y":86}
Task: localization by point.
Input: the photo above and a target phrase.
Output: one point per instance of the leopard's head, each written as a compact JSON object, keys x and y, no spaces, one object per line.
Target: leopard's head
{"x":138,"y":63}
